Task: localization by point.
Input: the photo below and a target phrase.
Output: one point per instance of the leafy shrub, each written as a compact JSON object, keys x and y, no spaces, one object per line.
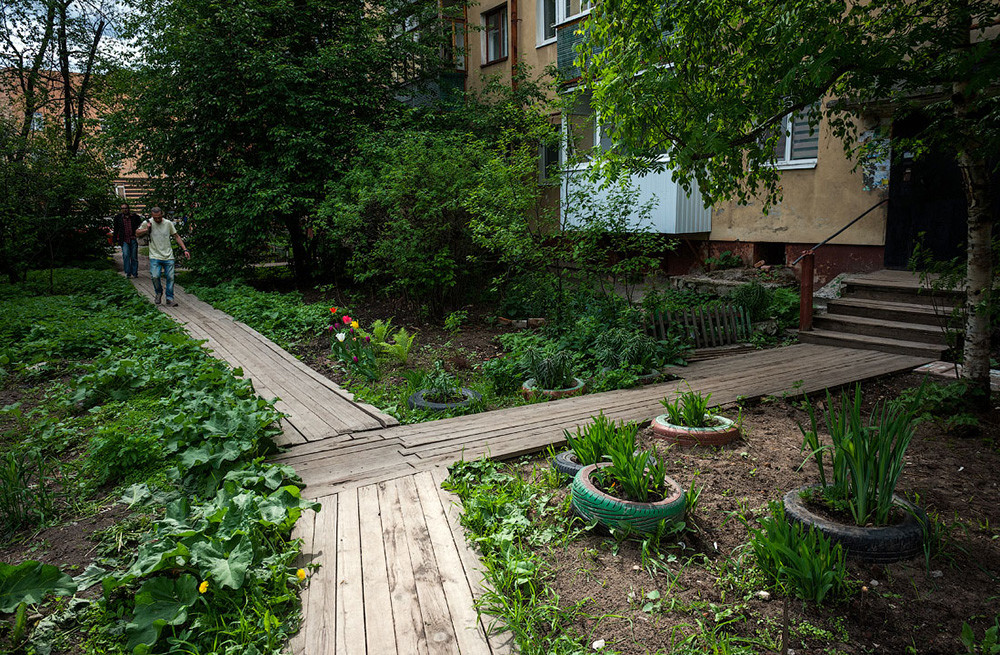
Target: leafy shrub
{"x":755,"y":298}
{"x":785,"y":307}
{"x":504,"y":374}
{"x":599,"y":437}
{"x":867,"y":456}
{"x":123,"y":448}
{"x":453,"y":321}
{"x":688,"y":409}
{"x":620,"y":346}
{"x":725,"y":259}
{"x":441,"y":385}
{"x":672,"y":300}
{"x":24,"y":497}
{"x":803,"y":562}
{"x":549,"y":370}
{"x":948,"y":405}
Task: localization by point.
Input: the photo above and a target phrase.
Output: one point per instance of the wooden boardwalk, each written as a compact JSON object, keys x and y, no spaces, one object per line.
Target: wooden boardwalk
{"x":316,"y":408}
{"x":397,"y":575}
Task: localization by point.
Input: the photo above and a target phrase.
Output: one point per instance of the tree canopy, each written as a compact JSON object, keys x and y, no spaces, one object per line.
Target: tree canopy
{"x":709,"y":82}
{"x":247,"y":108}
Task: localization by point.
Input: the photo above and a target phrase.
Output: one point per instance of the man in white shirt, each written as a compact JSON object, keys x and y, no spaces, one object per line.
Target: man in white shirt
{"x":161,"y":254}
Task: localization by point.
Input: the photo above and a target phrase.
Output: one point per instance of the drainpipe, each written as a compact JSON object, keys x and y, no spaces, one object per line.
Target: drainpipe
{"x":513,"y":44}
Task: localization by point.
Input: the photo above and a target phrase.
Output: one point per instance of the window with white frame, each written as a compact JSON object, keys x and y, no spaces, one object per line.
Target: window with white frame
{"x":798,"y":143}
{"x":552,"y":13}
{"x":37,"y":121}
{"x":495,"y":37}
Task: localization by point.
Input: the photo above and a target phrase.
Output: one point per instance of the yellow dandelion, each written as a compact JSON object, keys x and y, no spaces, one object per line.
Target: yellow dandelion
{"x":203,"y":587}
{"x":301,"y":574}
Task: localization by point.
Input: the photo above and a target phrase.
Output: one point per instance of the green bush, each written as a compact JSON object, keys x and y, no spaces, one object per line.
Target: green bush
{"x":755,"y":298}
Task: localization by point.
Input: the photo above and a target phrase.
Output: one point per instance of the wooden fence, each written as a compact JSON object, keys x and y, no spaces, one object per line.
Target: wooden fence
{"x":718,"y":325}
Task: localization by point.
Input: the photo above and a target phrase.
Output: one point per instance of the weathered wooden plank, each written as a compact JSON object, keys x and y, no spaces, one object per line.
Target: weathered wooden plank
{"x":305,"y":530}
{"x":380,"y":635}
{"x":350,"y":590}
{"x":469,"y":632}
{"x":360,"y":479}
{"x":406,"y":612}
{"x":427,"y":571}
{"x":321,"y":628}
{"x":500,"y":641}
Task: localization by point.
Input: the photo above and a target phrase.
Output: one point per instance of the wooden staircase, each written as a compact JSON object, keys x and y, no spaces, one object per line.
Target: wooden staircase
{"x":887,"y":311}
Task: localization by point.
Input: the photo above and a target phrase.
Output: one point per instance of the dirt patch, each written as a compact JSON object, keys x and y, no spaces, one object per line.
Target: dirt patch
{"x":915,"y":605}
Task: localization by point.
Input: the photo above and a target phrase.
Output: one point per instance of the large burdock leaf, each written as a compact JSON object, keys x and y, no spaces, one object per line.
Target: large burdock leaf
{"x":160,"y":602}
{"x":29,"y":582}
{"x":226,"y":563}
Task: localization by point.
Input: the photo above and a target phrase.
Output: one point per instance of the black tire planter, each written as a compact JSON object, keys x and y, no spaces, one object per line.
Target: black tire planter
{"x":875,"y":545}
{"x":529,"y":390}
{"x":592,"y":504}
{"x":417,"y":401}
{"x":567,"y":463}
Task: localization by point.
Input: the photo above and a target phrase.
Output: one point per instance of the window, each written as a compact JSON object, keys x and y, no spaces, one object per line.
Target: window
{"x":455,"y":49}
{"x":548,"y":162}
{"x":495,"y":24}
{"x":37,"y":121}
{"x":798,"y":144}
{"x":580,"y":128}
{"x":552,"y":13}
{"x":546,"y":21}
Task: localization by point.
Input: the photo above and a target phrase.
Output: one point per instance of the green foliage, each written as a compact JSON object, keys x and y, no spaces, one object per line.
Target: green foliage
{"x":867,"y":456}
{"x":399,"y":212}
{"x":504,"y":374}
{"x":402,"y":343}
{"x":453,"y":321}
{"x":506,"y":519}
{"x":282,"y":317}
{"x":948,"y":405}
{"x":988,"y":645}
{"x":725,"y":259}
{"x":442,"y":387}
{"x":755,"y":298}
{"x":123,"y":449}
{"x":597,"y":439}
{"x":622,"y":346}
{"x":633,"y":474}
{"x":673,"y":300}
{"x":785,"y":307}
{"x":30,"y":582}
{"x":24,"y":497}
{"x":689,"y":409}
{"x":552,"y":370}
{"x":798,"y":561}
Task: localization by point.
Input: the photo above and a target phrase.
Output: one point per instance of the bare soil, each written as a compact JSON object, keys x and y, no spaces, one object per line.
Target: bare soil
{"x":915,"y":606}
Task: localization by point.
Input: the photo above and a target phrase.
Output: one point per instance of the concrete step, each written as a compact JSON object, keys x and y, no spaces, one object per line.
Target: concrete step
{"x":865,"y":342}
{"x":877,"y":327}
{"x":900,"y":292}
{"x":890,"y":311}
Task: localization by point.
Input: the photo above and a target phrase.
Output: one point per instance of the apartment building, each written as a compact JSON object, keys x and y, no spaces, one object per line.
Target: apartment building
{"x":822,"y":190}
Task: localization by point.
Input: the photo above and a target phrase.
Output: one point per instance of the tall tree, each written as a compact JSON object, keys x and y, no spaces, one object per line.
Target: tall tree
{"x":248,"y":108}
{"x":709,"y":82}
{"x":54,"y":191}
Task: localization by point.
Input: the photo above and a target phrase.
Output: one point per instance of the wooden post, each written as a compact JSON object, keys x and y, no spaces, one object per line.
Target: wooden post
{"x":806,"y":291}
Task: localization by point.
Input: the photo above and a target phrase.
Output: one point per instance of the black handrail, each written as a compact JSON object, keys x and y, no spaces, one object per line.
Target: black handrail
{"x":838,"y":232}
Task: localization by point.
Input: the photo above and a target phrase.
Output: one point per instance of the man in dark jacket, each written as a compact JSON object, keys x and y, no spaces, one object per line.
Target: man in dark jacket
{"x":126,"y":223}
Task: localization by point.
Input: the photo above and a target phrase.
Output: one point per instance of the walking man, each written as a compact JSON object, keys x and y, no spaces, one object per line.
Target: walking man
{"x":126,"y":223}
{"x":161,"y":254}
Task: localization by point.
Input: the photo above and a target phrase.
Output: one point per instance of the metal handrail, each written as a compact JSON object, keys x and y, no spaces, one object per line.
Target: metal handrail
{"x":806,"y":281}
{"x":840,"y":231}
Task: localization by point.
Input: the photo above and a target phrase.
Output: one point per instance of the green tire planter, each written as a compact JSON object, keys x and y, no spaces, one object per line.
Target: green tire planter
{"x":592,"y":504}
{"x":724,"y":431}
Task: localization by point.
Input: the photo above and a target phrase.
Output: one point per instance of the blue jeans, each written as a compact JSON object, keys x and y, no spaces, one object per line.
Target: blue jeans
{"x":130,"y":257}
{"x":164,"y":267}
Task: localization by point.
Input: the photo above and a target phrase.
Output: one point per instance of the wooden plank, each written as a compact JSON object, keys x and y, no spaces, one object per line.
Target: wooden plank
{"x":427,"y":572}
{"x":380,"y":635}
{"x":469,"y":631}
{"x":305,"y":530}
{"x":501,"y":641}
{"x":407,"y":619}
{"x":350,"y":589}
{"x":322,"y":610}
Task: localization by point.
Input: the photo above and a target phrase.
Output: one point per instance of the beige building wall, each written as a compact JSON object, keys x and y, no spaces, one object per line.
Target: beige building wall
{"x":522,"y":42}
{"x":816,"y":203}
